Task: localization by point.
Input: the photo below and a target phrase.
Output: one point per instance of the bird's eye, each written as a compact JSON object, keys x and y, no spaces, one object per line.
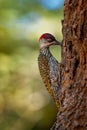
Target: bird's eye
{"x":49,"y":40}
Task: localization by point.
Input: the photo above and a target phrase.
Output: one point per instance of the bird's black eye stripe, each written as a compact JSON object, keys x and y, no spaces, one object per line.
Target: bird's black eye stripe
{"x":49,"y":40}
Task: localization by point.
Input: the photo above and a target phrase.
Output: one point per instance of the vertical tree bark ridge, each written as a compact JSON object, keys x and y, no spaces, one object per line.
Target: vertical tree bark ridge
{"x":73,"y":110}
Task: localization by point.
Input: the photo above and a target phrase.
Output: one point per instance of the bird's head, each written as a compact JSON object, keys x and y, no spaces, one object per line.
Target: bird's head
{"x":47,"y":40}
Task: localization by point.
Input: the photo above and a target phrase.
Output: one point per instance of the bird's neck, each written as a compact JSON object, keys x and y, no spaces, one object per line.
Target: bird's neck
{"x":45,"y":52}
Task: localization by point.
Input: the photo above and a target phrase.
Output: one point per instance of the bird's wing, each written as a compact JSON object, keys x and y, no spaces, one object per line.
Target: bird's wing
{"x":54,"y":71}
{"x":45,"y":72}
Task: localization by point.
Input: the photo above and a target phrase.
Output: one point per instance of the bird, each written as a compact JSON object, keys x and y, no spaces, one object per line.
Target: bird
{"x":48,"y":65}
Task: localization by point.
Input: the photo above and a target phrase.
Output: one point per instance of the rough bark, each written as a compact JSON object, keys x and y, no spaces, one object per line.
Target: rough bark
{"x":73,"y":96}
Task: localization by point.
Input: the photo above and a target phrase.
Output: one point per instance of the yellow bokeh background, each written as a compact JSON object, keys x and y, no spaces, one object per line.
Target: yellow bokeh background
{"x":24,"y":102}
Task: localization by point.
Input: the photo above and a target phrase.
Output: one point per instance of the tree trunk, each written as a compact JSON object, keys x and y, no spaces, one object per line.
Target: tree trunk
{"x":73,"y":96}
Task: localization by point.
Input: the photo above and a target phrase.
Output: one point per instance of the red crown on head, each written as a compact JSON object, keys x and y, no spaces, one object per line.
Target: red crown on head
{"x":47,"y":36}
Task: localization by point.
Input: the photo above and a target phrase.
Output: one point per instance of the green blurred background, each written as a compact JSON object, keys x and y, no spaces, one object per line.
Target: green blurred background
{"x":24,"y":102}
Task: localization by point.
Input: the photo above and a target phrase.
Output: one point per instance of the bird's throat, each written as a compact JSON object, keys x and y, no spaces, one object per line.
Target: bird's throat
{"x":45,"y":51}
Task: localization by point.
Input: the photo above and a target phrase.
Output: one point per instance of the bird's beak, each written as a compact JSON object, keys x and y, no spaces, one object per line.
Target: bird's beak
{"x":56,"y":42}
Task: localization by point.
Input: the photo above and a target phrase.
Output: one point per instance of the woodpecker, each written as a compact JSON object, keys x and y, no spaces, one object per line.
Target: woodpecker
{"x":49,"y":66}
